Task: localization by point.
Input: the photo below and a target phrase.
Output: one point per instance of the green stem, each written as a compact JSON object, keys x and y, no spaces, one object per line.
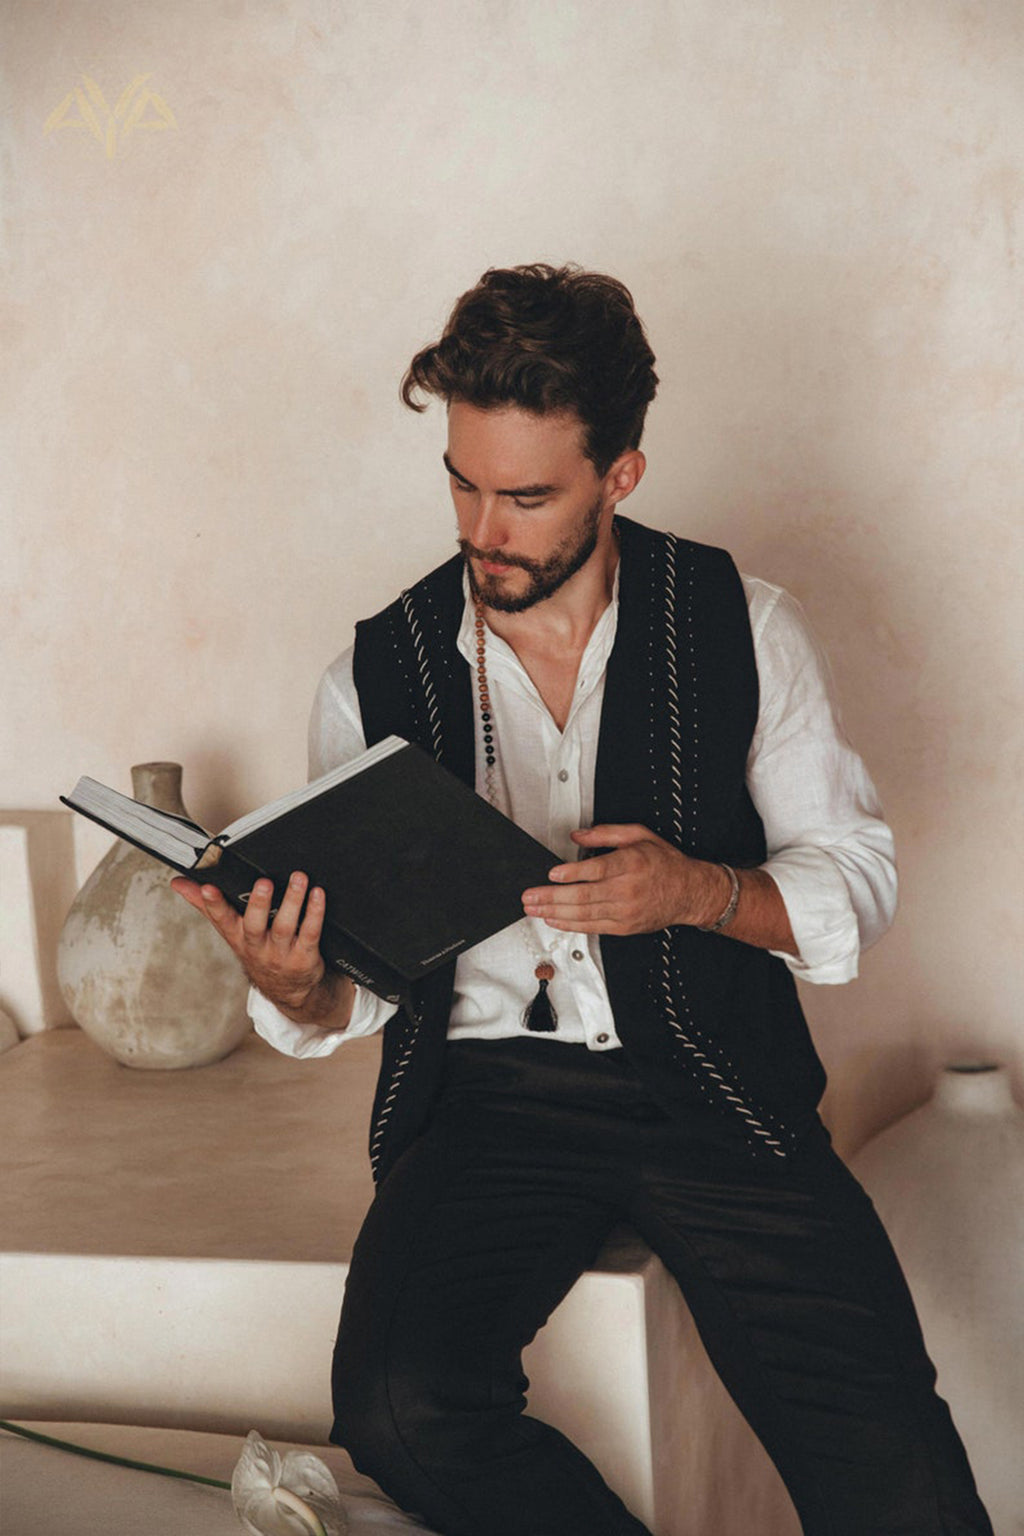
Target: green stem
{"x":117,"y":1461}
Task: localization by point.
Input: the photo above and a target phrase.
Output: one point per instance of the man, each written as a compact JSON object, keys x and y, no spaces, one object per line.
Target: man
{"x":633,"y":1050}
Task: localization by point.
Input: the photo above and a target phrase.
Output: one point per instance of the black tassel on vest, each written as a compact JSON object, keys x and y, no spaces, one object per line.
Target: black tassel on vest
{"x":540,"y":1016}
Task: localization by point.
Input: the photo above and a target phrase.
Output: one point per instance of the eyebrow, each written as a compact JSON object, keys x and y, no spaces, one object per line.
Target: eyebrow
{"x":523,"y":491}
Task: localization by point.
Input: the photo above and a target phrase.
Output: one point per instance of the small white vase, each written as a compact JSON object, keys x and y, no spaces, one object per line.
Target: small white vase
{"x":142,"y":972}
{"x":948,"y":1182}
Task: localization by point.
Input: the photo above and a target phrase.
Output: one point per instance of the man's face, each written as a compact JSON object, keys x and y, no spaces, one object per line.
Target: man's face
{"x":531,"y":509}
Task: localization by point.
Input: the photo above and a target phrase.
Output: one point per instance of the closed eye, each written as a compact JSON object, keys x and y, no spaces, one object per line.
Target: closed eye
{"x":517,"y":501}
{"x":528,"y":497}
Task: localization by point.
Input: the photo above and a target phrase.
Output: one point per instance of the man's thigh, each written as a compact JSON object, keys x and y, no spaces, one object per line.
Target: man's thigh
{"x":472,"y":1240}
{"x":807,"y":1318}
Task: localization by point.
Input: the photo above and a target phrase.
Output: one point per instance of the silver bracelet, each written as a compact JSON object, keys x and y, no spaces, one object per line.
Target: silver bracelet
{"x":730,"y":908}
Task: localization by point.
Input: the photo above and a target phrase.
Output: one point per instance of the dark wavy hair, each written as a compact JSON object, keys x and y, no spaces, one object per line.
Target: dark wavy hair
{"x":546,"y":339}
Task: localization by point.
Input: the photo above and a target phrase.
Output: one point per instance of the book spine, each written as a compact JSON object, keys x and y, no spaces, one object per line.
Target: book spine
{"x":235,"y":877}
{"x":341,"y":953}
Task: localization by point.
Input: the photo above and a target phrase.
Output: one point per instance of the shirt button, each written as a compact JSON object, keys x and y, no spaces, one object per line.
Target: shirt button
{"x":577,"y":954}
{"x":563,"y":774}
{"x":602,"y":1039}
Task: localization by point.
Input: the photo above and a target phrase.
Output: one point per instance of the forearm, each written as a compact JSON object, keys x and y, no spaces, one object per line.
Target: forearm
{"x":760,"y":918}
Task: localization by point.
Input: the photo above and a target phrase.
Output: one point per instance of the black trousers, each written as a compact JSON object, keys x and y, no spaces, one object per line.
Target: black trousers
{"x":535,"y":1151}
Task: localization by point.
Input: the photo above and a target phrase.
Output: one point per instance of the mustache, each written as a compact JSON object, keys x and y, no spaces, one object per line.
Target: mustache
{"x":499,"y":557}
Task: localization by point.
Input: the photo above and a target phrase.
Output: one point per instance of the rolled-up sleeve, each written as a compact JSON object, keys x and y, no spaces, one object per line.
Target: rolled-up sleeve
{"x":369,"y":1013}
{"x":830,"y":851}
{"x":335,"y":737}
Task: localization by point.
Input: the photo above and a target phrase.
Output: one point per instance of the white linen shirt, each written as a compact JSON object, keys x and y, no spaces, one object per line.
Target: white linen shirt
{"x":829,"y":851}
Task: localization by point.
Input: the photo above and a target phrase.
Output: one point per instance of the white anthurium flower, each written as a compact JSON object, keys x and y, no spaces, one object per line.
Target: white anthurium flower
{"x":296,"y":1496}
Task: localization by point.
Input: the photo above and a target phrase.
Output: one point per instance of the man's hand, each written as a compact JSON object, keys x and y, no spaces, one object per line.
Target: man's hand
{"x":645,"y":884}
{"x":279,"y":954}
{"x":642,"y":885}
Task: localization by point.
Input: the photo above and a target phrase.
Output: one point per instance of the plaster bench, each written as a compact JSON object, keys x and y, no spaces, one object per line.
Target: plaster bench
{"x":175,"y":1248}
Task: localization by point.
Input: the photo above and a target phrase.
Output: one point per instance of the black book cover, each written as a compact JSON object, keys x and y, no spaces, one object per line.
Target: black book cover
{"x":416,"y":867}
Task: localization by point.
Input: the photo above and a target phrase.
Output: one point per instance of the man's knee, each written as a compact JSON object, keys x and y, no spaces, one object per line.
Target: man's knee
{"x":364,"y":1423}
{"x":395,"y":1408}
{"x":364,"y":1426}
{"x":378,"y":1410}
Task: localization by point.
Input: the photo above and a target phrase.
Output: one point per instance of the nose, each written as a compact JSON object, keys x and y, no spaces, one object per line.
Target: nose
{"x":487,"y":528}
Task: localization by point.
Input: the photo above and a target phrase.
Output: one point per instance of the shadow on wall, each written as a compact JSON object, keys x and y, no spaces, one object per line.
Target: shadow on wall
{"x":877,"y":1087}
{"x":38,"y":884}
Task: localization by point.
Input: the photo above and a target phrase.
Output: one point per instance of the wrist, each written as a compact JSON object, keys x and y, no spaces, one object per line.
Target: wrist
{"x":723,"y":894}
{"x":319,"y":1004}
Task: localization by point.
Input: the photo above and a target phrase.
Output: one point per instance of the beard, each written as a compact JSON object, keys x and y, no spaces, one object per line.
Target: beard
{"x":546,"y":576}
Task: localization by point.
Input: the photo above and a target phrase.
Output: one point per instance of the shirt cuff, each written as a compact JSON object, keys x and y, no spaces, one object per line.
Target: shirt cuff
{"x":821,"y":915}
{"x":304,"y":1041}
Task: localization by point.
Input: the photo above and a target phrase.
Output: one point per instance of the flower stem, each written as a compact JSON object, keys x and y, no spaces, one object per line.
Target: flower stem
{"x":117,"y":1461}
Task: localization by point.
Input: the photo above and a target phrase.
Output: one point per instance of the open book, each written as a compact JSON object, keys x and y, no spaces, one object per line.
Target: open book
{"x":416,"y":866}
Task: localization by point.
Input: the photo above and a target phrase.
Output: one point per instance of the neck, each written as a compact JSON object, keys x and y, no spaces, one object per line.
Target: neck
{"x":566,"y":620}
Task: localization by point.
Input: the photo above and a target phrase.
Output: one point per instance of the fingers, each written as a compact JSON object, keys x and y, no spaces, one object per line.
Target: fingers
{"x":285,"y":923}
{"x":280,"y":949}
{"x":288,"y":924}
{"x":308,"y":936}
{"x":260,"y":924}
{"x":256,"y":917}
{"x":603,"y":867}
{"x":208,"y":900}
{"x":606,"y":925}
{"x":583,"y":909}
{"x":599,"y":868}
{"x":634,"y":888}
{"x":582,"y":899}
{"x":576,"y":900}
{"x":572,"y":918}
{"x":191,"y":892}
{"x":613,"y":835}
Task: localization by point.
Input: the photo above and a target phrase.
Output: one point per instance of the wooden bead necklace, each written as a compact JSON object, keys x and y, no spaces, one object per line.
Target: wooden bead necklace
{"x":540,"y":1016}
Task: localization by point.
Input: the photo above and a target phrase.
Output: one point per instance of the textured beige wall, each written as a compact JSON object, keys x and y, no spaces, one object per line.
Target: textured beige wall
{"x":206,"y":476}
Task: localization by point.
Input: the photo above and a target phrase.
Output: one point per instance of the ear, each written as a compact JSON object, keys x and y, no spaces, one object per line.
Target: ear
{"x":624,"y":476}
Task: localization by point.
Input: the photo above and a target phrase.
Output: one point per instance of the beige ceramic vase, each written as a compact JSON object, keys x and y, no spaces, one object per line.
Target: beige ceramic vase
{"x":948,"y":1182}
{"x":142,"y":972}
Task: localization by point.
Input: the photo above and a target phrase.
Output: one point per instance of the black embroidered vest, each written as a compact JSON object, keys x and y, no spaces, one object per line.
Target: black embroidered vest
{"x":680,"y":708}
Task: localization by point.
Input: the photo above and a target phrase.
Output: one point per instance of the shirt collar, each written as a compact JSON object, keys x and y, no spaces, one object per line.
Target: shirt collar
{"x":501,"y":657}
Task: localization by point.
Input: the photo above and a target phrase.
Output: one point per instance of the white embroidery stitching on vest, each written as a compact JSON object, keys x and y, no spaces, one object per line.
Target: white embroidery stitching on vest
{"x":389,"y":1099}
{"x":671,"y":993}
{"x":429,"y":694}
{"x":434,"y":718}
